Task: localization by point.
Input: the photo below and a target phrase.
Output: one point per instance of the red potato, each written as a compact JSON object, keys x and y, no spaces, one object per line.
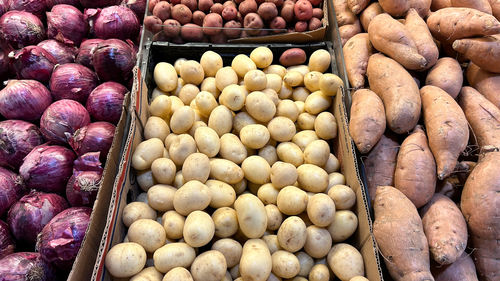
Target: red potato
{"x":316,"y":3}
{"x":171,"y":28}
{"x":247,"y":6}
{"x":487,"y":83}
{"x":232,"y":29}
{"x":153,"y":24}
{"x":483,"y":52}
{"x":152,"y":4}
{"x":400,"y":236}
{"x":278,"y":23}
{"x":287,"y":11}
{"x":260,"y":1}
{"x":440,"y":4}
{"x":463,"y":269}
{"x":253,"y":21}
{"x":482,"y":115}
{"x":314,"y":23}
{"x":162,"y":10}
{"x":422,"y":37}
{"x":192,"y":32}
{"x":205,"y":5}
{"x":447,"y":128}
{"x":480,"y":206}
{"x":182,"y":14}
{"x":357,"y":6}
{"x":301,"y":26}
{"x":217,"y":8}
{"x":174,"y":2}
{"x":278,"y":3}
{"x":369,"y":13}
{"x":380,"y":164}
{"x":318,"y":13}
{"x":397,"y":89}
{"x":267,"y":11}
{"x":447,"y":75}
{"x":343,"y":13}
{"x":229,"y":13}
{"x":191,"y":4}
{"x":445,"y":229}
{"x":229,"y":4}
{"x":357,"y":51}
{"x":303,"y":10}
{"x":480,"y":5}
{"x":367,"y":123}
{"x":495,"y":8}
{"x":349,"y":30}
{"x":198,"y":17}
{"x":293,"y":56}
{"x":212,"y":24}
{"x":398,"y":8}
{"x":219,"y":38}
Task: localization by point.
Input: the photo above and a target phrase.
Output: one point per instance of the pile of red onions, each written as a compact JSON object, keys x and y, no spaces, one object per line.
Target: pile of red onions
{"x":17,"y":139}
{"x":83,"y":186}
{"x":97,"y":136}
{"x":114,"y":60}
{"x":21,"y":29}
{"x":52,"y":3}
{"x":7,"y":245}
{"x":48,"y":168}
{"x":11,"y":189}
{"x":72,"y":81}
{"x":24,"y":99}
{"x":35,"y":7}
{"x":105,"y":103}
{"x":61,"y":238}
{"x":98,"y":3}
{"x":65,"y":23}
{"x":33,"y":62}
{"x":61,"y":118}
{"x":26,"y":266}
{"x":32,"y":212}
{"x":84,"y":56}
{"x":138,"y":6}
{"x":61,"y":52}
{"x":116,"y":22}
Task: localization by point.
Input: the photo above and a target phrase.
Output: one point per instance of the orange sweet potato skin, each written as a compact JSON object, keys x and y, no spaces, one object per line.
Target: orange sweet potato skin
{"x":357,"y":6}
{"x":447,"y":128}
{"x":495,"y":8}
{"x":487,"y":83}
{"x":440,"y":4}
{"x":369,"y":13}
{"x":447,"y":75}
{"x":462,"y":269}
{"x":400,"y":236}
{"x":342,"y":12}
{"x":415,"y":173}
{"x":422,"y":37}
{"x":357,"y":51}
{"x":483,"y":117}
{"x":398,"y":8}
{"x":367,"y":123}
{"x":480,"y":204}
{"x":397,"y":89}
{"x":484,"y":52}
{"x":445,"y":229}
{"x":480,"y":5}
{"x":349,"y":30}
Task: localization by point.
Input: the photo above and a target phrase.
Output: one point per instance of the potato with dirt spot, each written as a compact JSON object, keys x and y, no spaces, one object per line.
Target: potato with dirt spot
{"x":321,"y":209}
{"x":231,"y":249}
{"x":318,"y":242}
{"x":125,"y":259}
{"x":344,"y":224}
{"x":173,"y":223}
{"x":285,"y":264}
{"x":209,"y":266}
{"x":147,"y":233}
{"x":226,"y":222}
{"x":292,"y":234}
{"x":199,"y":229}
{"x":181,"y":147}
{"x":225,"y":170}
{"x":222,"y":194}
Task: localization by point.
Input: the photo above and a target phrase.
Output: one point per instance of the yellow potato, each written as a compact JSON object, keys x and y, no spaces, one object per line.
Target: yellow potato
{"x":196,"y":167}
{"x":343,"y":196}
{"x":199,"y":229}
{"x":225,"y":170}
{"x":209,"y":85}
{"x":125,"y":260}
{"x":146,"y":152}
{"x":240,"y":120}
{"x":305,"y":121}
{"x":281,"y":129}
{"x":359,"y":278}
{"x":195,"y":126}
{"x":177,"y":65}
{"x":240,"y":186}
{"x":252,"y":217}
{"x":156,"y":92}
{"x":211,"y":63}
{"x":222,"y":194}
{"x":147,"y":233}
{"x":260,"y":106}
{"x":321,"y":209}
{"x":179,"y":180}
{"x":300,"y":106}
{"x":271,"y":94}
{"x":300,"y":94}
{"x":320,"y":61}
{"x":254,"y":136}
{"x":256,"y":169}
{"x":303,"y":138}
{"x":269,"y":153}
{"x":275,"y":69}
{"x":231,"y":249}
{"x":182,"y":120}
{"x":317,"y":102}
{"x":178,"y":274}
{"x":274,"y":82}
{"x":318,"y":242}
{"x":172,"y":255}
{"x":232,"y":148}
{"x":285,"y":92}
{"x":255,"y":80}
{"x":319,"y":272}
{"x":188,"y":92}
{"x":256,"y":262}
{"x":311,"y":80}
{"x":182,"y":146}
{"x":225,"y":76}
{"x":242,"y":64}
{"x":291,"y":153}
{"x":176,"y":103}
{"x":292,"y":234}
{"x":226,"y":222}
{"x":233,"y":97}
{"x":283,"y":174}
{"x":334,"y":179}
{"x":173,"y":223}
{"x":135,"y":211}
{"x":329,"y":84}
{"x":274,"y":218}
{"x":163,"y":170}
{"x":343,"y":226}
{"x":192,"y":196}
{"x":268,"y":194}
{"x":180,"y":84}
{"x":271,"y":241}
{"x":312,"y":178}
{"x":292,"y":200}
{"x":207,"y":141}
{"x":285,"y":264}
{"x":306,"y":263}
{"x":262,"y":57}
{"x":293,"y":78}
{"x":161,"y":197}
{"x":346,"y":262}
{"x":156,"y":128}
{"x":287,"y":108}
{"x":302,"y":69}
{"x":317,"y":153}
{"x":235,"y":273}
{"x":332,"y":164}
{"x":209,"y":266}
{"x":148,"y":274}
{"x":325,"y":126}
{"x":165,"y":76}
{"x":221,"y":120}
{"x":192,"y":72}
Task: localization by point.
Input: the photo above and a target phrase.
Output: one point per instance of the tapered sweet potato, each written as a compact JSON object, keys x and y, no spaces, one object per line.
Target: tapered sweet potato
{"x":440,"y":4}
{"x":480,"y":205}
{"x":349,"y":30}
{"x":462,"y":269}
{"x":357,"y":6}
{"x":495,"y":8}
{"x":400,"y":236}
{"x":483,"y":52}
{"x":480,"y":5}
{"x":447,"y":75}
{"x":483,"y":117}
{"x":445,"y":229}
{"x":367,"y":123}
{"x":447,"y":128}
{"x":357,"y":51}
{"x":380,"y":164}
{"x":422,"y":37}
{"x":392,"y":38}
{"x":397,"y":89}
{"x":415,"y":173}
{"x":398,"y":8}
{"x":450,"y":24}
{"x":343,"y":13}
{"x":487,"y":83}
{"x":369,"y":13}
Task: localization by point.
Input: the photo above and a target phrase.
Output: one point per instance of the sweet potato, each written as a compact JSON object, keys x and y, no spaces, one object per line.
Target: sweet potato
{"x":397,"y":89}
{"x":398,"y":8}
{"x":343,"y":13}
{"x":483,"y":117}
{"x":380,"y":164}
{"x":480,"y":205}
{"x":450,"y":24}
{"x":480,"y":5}
{"x":392,"y":38}
{"x":495,"y":8}
{"x":357,"y":51}
{"x":422,"y":37}
{"x":367,"y":123}
{"x":415,"y":173}
{"x":349,"y":30}
{"x":462,"y":269}
{"x":445,"y":229}
{"x":369,"y":13}
{"x":487,"y":83}
{"x":357,"y":6}
{"x":440,"y":4}
{"x":449,"y":188}
{"x":483,"y":52}
{"x":447,"y":75}
{"x":400,"y":236}
{"x":447,"y":128}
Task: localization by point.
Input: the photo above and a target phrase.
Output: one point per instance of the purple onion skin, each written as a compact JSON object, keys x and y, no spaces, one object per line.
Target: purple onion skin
{"x":98,"y":3}
{"x":32,"y":212}
{"x":11,"y":189}
{"x":114,"y":60}
{"x":5,"y":61}
{"x":52,"y":3}
{"x":138,"y":6}
{"x":63,"y":118}
{"x":105,"y":103}
{"x":97,"y":136}
{"x":17,"y":139}
{"x":60,"y":240}
{"x":72,"y":81}
{"x":82,"y":188}
{"x":24,"y":100}
{"x":4,"y":6}
{"x":116,"y":22}
{"x":65,"y":23}
{"x":47,"y":168}
{"x":36,"y":7}
{"x":25,"y":266}
{"x":88,"y":162}
{"x":61,"y":52}
{"x":84,"y":56}
{"x":20,"y":29}
{"x":35,"y":63}
{"x":7,"y":244}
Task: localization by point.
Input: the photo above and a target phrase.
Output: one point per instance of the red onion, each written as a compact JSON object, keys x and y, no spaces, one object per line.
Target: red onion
{"x":72,"y":81}
{"x":24,"y":99}
{"x":97,"y":136}
{"x":32,"y":212}
{"x":116,"y":22}
{"x":65,"y":23}
{"x":7,"y":245}
{"x":114,"y":60}
{"x":84,"y":56}
{"x":17,"y":139}
{"x":138,"y":6}
{"x":11,"y":189}
{"x":61,"y":117}
{"x":4,"y":6}
{"x":52,"y":3}
{"x":62,"y":53}
{"x":21,"y":29}
{"x":47,"y":168}
{"x":88,"y":162}
{"x":82,"y":188}
{"x":105,"y":103}
{"x":33,"y":62}
{"x":36,"y":7}
{"x":25,"y":266}
{"x":98,"y":3}
{"x":5,"y":61}
{"x":60,"y":240}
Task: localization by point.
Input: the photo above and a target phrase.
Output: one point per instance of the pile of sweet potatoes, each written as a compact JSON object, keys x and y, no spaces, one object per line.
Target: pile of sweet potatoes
{"x":425,"y":113}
